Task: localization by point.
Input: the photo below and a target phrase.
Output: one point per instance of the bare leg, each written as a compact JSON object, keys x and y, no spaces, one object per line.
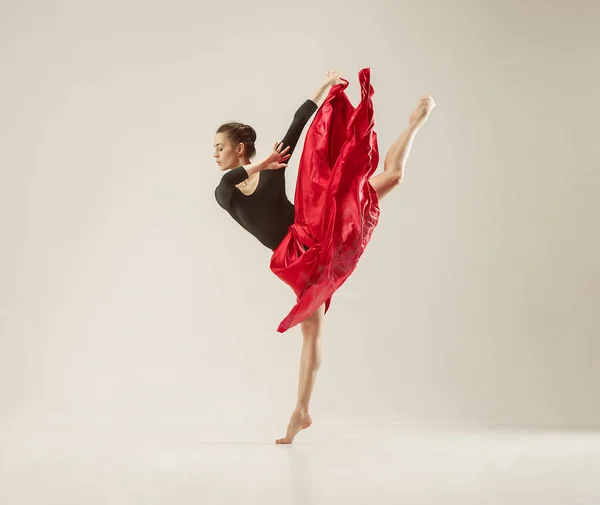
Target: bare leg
{"x":395,"y":159}
{"x":309,"y":366}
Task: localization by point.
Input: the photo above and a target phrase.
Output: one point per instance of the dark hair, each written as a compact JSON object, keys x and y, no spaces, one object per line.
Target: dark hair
{"x":238,"y":132}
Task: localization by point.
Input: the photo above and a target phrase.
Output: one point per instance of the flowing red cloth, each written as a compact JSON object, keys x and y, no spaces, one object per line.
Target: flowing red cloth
{"x":336,"y":208}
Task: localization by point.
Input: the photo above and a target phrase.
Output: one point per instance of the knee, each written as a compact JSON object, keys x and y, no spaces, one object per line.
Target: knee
{"x":389,"y":181}
{"x":394,"y":171}
{"x":396,"y":178}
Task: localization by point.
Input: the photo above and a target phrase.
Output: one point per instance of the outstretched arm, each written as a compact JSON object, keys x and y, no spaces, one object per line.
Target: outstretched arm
{"x":304,"y":113}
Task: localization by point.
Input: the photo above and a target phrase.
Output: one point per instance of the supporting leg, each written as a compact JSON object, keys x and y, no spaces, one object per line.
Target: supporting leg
{"x":309,"y":366}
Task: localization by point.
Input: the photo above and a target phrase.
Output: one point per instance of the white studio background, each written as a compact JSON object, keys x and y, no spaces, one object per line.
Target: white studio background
{"x":128,"y":297}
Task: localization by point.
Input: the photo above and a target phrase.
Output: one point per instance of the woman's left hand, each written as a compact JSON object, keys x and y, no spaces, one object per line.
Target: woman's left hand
{"x":333,"y":78}
{"x":276,"y":159}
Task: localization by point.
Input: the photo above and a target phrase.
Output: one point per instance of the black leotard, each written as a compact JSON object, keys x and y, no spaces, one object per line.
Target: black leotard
{"x":267,"y":213}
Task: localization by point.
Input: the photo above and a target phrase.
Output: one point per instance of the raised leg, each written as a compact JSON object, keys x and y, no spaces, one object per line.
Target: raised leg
{"x":397,"y":155}
{"x":309,"y":366}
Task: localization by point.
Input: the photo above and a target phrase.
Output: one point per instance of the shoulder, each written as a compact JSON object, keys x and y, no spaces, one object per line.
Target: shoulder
{"x":224,"y":197}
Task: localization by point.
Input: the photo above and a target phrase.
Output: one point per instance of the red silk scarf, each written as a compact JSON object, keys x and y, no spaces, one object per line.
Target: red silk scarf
{"x":336,"y":208}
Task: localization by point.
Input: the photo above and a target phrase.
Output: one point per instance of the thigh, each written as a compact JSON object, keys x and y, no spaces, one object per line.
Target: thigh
{"x":315,"y":320}
{"x":383,"y":183}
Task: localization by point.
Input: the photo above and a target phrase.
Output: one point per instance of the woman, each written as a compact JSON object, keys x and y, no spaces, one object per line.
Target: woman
{"x":340,"y":150}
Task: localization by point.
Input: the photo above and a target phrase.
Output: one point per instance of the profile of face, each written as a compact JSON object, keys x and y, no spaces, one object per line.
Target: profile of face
{"x":226,"y":154}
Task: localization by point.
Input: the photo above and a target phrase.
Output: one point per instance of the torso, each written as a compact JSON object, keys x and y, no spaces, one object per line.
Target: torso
{"x":263,"y":209}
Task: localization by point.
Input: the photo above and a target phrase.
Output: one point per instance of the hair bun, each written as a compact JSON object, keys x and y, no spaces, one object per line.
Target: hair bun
{"x":250,"y":132}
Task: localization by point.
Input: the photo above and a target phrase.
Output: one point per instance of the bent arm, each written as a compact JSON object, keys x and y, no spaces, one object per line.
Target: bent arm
{"x":224,"y":191}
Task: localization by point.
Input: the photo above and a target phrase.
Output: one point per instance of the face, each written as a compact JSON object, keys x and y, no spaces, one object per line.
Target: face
{"x":226,"y":155}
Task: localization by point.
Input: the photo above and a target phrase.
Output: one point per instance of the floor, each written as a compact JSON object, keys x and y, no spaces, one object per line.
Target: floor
{"x":359,"y":464}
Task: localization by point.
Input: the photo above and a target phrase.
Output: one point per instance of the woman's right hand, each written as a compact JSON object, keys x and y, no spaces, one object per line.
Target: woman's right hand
{"x":277,"y":157}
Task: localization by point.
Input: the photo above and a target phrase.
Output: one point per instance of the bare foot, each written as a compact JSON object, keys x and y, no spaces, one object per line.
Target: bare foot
{"x":421,"y":113}
{"x":299,"y":421}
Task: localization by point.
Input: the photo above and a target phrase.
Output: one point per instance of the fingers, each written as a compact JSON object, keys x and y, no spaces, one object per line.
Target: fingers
{"x":277,"y":147}
{"x":278,"y":166}
{"x":282,"y":155}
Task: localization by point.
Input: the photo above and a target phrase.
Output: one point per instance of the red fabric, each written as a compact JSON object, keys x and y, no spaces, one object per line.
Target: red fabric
{"x":336,"y":208}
